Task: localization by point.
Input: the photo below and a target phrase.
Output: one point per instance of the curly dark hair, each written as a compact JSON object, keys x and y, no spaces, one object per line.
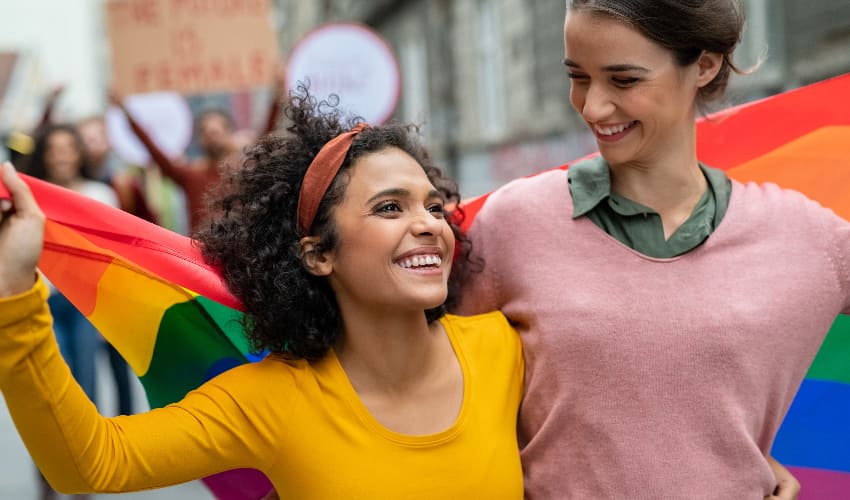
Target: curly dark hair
{"x":252,"y":234}
{"x":35,"y":165}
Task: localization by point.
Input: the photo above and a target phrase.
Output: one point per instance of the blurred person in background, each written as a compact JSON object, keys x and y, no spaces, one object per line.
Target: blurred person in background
{"x":220,"y":143}
{"x":215,"y":131}
{"x":103,"y":162}
{"x":59,"y":157}
{"x":19,"y":144}
{"x":106,"y":167}
{"x":127,"y":180}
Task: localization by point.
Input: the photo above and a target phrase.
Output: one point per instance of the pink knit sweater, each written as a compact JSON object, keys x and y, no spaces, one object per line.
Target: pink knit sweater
{"x":658,"y":378}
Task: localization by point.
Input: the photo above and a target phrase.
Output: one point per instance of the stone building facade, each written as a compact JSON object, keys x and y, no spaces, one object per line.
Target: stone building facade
{"x":486,"y":79}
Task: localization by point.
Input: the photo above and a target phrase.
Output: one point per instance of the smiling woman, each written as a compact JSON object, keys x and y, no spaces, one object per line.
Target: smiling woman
{"x":336,"y":238}
{"x":663,"y":347}
{"x":388,"y":198}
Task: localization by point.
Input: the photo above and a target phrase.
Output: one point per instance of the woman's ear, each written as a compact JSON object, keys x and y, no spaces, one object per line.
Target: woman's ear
{"x":317,"y":263}
{"x":708,"y":65}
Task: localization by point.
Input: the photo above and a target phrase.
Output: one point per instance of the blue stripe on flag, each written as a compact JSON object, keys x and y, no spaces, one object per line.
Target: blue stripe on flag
{"x":816,"y":431}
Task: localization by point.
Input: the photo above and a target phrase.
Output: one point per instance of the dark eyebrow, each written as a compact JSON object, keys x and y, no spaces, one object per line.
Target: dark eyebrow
{"x":614,"y":68}
{"x":436,"y":194}
{"x":403,"y":193}
{"x":617,"y":68}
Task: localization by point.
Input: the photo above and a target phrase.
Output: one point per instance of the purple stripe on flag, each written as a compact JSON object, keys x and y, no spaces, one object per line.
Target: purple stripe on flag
{"x":819,"y":484}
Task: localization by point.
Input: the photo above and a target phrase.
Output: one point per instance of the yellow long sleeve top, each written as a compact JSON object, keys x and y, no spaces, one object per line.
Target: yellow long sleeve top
{"x":300,"y":423}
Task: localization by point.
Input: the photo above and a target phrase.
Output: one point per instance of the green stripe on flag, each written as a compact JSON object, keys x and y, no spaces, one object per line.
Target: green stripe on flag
{"x":195,"y":341}
{"x":833,"y":359}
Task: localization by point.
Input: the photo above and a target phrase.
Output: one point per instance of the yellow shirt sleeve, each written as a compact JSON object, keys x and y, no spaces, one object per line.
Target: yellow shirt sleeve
{"x":224,"y":424}
{"x":293,"y":421}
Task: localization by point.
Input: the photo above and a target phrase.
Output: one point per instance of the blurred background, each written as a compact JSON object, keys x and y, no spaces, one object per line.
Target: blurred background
{"x":484,"y":78}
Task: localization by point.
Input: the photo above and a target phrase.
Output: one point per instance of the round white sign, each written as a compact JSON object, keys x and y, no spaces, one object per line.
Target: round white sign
{"x":351,"y":61}
{"x":165,"y":116}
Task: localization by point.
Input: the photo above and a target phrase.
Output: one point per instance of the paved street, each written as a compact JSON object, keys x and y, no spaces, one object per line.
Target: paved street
{"x":18,"y":476}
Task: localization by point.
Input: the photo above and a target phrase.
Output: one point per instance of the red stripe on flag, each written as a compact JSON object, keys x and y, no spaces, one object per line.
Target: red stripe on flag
{"x":745,"y":132}
{"x":157,"y":250}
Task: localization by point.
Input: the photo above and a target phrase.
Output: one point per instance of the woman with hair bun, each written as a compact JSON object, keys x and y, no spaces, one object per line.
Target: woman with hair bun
{"x":336,"y":238}
{"x":668,"y":313}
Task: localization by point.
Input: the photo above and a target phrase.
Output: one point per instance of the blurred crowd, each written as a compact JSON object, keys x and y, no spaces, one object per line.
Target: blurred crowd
{"x":78,"y":156}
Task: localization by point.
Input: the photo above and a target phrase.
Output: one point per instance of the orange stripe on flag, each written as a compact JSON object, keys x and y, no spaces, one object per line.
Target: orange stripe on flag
{"x":125,"y":302}
{"x":817,"y":164}
{"x":76,"y":277}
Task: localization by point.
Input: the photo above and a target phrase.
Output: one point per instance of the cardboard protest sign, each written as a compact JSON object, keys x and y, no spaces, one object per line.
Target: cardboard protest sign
{"x":190,"y":46}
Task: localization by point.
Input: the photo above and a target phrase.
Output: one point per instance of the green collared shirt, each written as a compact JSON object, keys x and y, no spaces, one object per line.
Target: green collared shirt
{"x":638,"y":226}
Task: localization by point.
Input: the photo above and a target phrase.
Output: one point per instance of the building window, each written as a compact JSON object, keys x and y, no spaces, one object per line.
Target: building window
{"x":762,"y":44}
{"x":414,"y":66}
{"x":491,"y":75}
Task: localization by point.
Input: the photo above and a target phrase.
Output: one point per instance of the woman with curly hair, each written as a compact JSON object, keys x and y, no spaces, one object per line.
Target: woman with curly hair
{"x":337,"y":239}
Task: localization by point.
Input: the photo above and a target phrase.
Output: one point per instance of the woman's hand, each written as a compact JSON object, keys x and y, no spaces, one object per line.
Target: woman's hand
{"x":21,"y":235}
{"x":787,"y":486}
{"x":272,"y":495}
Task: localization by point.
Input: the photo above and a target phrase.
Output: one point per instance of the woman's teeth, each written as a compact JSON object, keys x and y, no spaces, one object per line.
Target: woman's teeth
{"x":421,"y":261}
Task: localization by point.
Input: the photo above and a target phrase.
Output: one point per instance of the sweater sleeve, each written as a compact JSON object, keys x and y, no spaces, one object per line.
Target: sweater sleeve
{"x":838,"y":230}
{"x":481,"y":290}
{"x":214,"y":428}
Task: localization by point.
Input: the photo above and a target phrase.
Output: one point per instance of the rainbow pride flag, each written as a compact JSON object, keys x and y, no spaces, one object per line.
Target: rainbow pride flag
{"x":151,"y":295}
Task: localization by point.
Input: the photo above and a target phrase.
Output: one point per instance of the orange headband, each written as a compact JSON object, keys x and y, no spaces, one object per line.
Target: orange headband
{"x":320,"y":174}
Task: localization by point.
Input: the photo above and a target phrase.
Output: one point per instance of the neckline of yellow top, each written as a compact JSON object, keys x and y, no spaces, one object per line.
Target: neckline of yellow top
{"x":372,"y":423}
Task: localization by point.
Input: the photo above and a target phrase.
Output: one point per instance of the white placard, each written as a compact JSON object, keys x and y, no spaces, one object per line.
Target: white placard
{"x":351,"y":61}
{"x":165,"y":116}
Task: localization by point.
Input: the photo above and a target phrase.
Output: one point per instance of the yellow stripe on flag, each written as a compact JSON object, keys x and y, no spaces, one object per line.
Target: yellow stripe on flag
{"x":130,"y":321}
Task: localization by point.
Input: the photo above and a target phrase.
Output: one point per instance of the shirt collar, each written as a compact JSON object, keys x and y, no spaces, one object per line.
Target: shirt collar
{"x":590,"y":184}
